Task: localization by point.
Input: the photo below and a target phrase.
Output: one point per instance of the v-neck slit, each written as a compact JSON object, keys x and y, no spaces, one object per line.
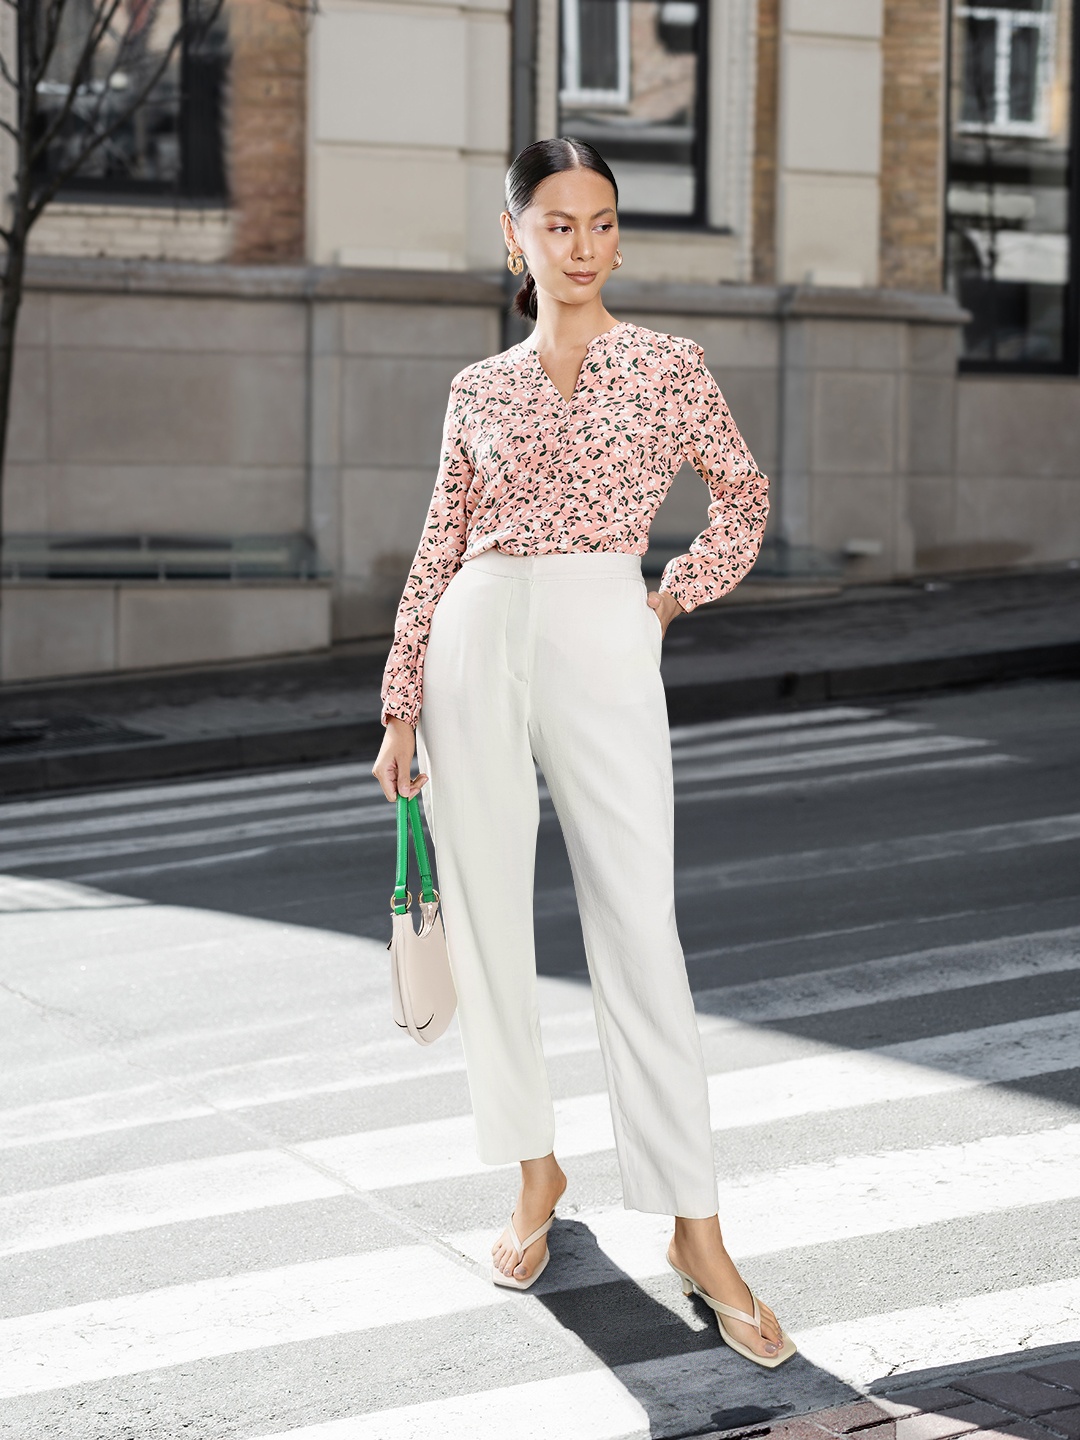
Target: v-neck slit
{"x":568,"y":400}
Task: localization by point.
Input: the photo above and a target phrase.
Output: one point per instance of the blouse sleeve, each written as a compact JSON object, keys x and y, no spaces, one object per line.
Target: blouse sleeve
{"x":437,"y":558}
{"x":708,"y":437}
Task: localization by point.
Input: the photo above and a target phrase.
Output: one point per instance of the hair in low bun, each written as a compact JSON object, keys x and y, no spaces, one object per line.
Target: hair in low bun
{"x":532,"y":166}
{"x":525,"y":299}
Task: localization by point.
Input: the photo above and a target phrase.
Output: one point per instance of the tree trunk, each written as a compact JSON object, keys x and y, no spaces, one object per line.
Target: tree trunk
{"x":10,"y":300}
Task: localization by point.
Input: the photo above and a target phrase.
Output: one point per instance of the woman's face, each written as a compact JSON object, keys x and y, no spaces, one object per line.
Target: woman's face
{"x":568,"y":235}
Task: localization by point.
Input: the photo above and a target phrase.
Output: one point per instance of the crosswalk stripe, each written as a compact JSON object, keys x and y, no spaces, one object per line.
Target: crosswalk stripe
{"x":894,"y":977}
{"x":130,"y":798}
{"x":274,"y":1079}
{"x":18,"y":893}
{"x":846,"y":1198}
{"x":379,"y":812}
{"x":845,"y":779}
{"x":312,"y":777}
{"x":602,"y":1404}
{"x":948,"y":1332}
{"x":853,"y":1196}
{"x":185,"y":814}
{"x":119,"y":1204}
{"x":983,"y":839}
{"x":829,"y":756}
{"x":778,"y":721}
{"x":790,"y":740}
{"x":104,"y":1339}
{"x":589,"y":1406}
{"x":879,"y":854}
{"x":440,"y":1149}
{"x":433,"y":1150}
{"x":97,"y":1113}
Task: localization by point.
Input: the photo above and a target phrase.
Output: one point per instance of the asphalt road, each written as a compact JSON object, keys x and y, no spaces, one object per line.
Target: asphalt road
{"x":234,"y":1203}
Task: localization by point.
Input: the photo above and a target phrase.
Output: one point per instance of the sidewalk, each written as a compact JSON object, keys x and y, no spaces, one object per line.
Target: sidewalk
{"x":1039,"y":1401}
{"x":748,"y":653}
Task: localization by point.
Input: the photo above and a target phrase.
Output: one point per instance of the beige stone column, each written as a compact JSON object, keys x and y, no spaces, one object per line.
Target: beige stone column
{"x":829,"y":142}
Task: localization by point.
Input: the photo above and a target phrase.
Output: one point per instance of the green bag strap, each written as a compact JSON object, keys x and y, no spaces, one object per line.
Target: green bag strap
{"x":408,"y":818}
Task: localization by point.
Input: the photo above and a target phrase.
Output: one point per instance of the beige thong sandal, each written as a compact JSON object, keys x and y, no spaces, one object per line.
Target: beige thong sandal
{"x":788,"y":1348}
{"x":519,"y":1247}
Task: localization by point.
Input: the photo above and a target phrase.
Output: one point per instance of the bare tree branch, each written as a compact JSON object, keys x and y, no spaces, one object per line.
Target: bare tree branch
{"x":9,"y":129}
{"x":94,"y":35}
{"x":5,"y":73}
{"x":54,"y":18}
{"x":46,"y":195}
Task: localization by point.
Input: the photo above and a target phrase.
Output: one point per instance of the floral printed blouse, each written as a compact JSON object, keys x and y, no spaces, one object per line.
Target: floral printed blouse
{"x":532,"y":473}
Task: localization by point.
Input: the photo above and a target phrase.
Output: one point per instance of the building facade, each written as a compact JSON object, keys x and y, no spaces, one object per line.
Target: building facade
{"x":240,"y":330}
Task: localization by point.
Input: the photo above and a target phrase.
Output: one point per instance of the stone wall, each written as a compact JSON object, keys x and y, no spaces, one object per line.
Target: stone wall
{"x":248,"y":400}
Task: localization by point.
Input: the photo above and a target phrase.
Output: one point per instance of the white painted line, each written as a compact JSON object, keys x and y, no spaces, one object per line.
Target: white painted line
{"x":104,"y":1339}
{"x":278,"y":1078}
{"x":19,"y":893}
{"x":810,"y":785}
{"x":122,"y":799}
{"x":825,"y":1203}
{"x":602,"y":1404}
{"x":379,"y":812}
{"x":790,"y":740}
{"x":96,"y":1114}
{"x":946,"y":1333}
{"x":433,"y":1150}
{"x":783,"y":720}
{"x":69,"y":829}
{"x":592,"y":1406}
{"x":547,"y":815}
{"x":821,"y":759}
{"x":159,"y":1195}
{"x":878,"y":854}
{"x":894,"y":977}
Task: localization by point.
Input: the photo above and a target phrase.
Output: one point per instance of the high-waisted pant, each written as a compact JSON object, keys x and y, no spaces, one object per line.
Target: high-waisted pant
{"x":557,"y":658}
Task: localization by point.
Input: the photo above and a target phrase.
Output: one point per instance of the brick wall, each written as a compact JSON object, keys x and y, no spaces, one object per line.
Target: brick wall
{"x":134,"y":232}
{"x":912,"y":184}
{"x":266,"y":128}
{"x":765,"y":141}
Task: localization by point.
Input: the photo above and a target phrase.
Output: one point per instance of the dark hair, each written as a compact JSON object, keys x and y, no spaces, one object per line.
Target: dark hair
{"x":532,"y":166}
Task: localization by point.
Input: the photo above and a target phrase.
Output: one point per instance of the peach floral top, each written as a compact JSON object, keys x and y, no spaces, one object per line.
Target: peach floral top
{"x":530,"y":472}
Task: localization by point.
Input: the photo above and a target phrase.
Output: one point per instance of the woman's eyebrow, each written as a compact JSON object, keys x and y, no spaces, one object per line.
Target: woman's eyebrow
{"x":565,"y":215}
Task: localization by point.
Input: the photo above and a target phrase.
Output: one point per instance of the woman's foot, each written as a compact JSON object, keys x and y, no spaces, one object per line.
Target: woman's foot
{"x":697,"y":1247}
{"x":542,"y":1185}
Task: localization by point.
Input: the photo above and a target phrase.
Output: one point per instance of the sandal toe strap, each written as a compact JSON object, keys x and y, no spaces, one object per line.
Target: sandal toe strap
{"x":733,"y":1314}
{"x":519,"y":1245}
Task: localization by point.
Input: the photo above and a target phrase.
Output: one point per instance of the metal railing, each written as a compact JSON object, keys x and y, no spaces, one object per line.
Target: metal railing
{"x":161,"y":558}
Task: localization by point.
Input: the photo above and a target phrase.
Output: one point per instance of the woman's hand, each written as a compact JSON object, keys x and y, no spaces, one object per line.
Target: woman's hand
{"x":666,"y":607}
{"x":392,"y":767}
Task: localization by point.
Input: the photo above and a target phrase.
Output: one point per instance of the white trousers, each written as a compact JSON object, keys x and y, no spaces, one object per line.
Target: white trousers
{"x":557,"y":657}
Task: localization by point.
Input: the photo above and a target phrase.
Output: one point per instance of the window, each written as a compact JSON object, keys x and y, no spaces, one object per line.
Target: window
{"x":633,"y":85}
{"x":172,"y":144}
{"x":1011,"y":232}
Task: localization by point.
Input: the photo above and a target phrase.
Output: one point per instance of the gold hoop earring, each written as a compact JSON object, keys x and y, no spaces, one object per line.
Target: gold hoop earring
{"x":515,"y":263}
{"x":617,"y":261}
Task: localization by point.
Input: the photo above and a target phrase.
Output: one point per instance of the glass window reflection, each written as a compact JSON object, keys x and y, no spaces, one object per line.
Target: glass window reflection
{"x":1008,"y":242}
{"x":631,"y":84}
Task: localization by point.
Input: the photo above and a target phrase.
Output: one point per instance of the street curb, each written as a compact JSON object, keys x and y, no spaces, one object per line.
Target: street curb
{"x":687,"y":704}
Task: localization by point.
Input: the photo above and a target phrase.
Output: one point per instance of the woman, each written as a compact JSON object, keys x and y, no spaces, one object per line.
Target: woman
{"x":525,"y":633}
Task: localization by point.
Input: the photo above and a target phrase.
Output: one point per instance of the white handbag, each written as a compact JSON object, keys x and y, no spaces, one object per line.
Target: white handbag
{"x":422,"y":988}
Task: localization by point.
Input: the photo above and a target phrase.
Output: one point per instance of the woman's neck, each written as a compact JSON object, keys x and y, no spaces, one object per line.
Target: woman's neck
{"x":566,"y":328}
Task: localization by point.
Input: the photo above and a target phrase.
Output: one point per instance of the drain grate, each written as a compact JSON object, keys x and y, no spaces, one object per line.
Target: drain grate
{"x":67,"y":732}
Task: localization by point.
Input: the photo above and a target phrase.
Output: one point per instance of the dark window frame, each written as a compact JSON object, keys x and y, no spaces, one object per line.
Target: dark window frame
{"x":697,"y":219}
{"x":202,"y":179}
{"x":1069,"y":364}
